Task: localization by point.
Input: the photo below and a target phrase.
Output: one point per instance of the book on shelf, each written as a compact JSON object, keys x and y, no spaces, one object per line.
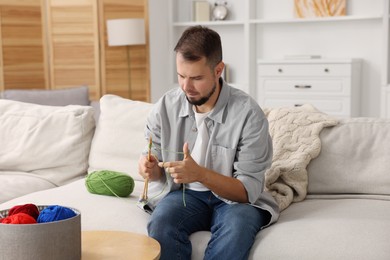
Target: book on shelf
{"x":201,"y":11}
{"x":302,"y":57}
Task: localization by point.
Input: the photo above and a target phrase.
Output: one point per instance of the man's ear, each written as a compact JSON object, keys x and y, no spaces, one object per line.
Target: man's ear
{"x":219,"y":68}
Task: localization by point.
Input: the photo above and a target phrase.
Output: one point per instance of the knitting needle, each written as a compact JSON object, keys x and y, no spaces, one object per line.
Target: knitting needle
{"x":145,"y":193}
{"x":150,"y":148}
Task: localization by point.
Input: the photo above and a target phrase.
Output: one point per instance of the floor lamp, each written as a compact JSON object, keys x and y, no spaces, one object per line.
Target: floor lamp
{"x":126,"y":32}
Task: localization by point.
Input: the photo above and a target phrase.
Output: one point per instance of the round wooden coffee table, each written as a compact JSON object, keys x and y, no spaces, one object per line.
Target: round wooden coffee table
{"x":118,"y":245}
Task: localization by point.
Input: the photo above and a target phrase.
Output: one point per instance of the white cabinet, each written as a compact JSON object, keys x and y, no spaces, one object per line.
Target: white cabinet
{"x":332,"y":86}
{"x":267,"y":30}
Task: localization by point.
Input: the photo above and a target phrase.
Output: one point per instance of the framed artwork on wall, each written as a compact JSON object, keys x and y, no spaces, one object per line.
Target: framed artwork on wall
{"x":319,"y":8}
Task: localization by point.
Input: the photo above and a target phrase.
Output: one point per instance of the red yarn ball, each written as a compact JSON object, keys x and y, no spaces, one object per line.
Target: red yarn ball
{"x":29,"y":209}
{"x":19,"y":218}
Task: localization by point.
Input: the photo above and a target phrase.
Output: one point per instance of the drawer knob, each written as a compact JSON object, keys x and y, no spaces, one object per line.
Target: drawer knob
{"x":298,"y":105}
{"x":280,"y":70}
{"x":326,"y":70}
{"x":302,"y":86}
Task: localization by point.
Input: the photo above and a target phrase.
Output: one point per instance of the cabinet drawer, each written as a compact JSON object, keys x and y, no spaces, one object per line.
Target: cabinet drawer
{"x":304,"y":70}
{"x":336,"y":107}
{"x":305,"y":86}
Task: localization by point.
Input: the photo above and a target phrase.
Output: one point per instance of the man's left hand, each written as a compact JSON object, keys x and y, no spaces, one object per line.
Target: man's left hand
{"x":185,"y":171}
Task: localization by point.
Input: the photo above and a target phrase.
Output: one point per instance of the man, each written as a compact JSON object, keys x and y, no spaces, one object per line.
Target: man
{"x":211,"y":149}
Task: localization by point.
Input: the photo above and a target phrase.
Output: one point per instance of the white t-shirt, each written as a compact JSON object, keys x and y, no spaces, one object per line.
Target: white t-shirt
{"x":198,"y":153}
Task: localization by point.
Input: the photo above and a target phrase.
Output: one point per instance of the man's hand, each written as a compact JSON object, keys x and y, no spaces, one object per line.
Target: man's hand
{"x":188,"y":171}
{"x":149,"y":169}
{"x":185,"y":171}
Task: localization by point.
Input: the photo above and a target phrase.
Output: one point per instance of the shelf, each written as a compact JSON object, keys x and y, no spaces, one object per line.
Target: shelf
{"x":208,"y":23}
{"x":311,"y":20}
{"x":308,"y":61}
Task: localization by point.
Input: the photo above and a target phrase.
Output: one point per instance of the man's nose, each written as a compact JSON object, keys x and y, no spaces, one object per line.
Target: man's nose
{"x":187,"y":84}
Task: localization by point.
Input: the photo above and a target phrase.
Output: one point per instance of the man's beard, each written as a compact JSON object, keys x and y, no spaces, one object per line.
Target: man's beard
{"x":204,"y":99}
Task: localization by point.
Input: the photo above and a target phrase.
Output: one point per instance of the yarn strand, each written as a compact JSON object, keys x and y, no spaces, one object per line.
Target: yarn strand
{"x":166,"y":150}
{"x":108,"y":187}
{"x":184,"y":186}
{"x":184,"y":195}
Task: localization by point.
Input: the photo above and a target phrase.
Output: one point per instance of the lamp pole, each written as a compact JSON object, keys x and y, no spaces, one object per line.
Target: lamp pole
{"x":126,"y":32}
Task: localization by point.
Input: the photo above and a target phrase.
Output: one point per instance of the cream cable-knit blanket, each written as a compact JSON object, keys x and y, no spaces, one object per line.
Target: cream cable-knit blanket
{"x":295,"y":134}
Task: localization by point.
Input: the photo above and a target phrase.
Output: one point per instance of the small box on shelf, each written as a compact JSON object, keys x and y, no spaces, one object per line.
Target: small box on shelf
{"x":201,"y":11}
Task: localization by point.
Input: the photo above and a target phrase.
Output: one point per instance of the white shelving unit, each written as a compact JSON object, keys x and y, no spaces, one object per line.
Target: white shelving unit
{"x":267,"y":29}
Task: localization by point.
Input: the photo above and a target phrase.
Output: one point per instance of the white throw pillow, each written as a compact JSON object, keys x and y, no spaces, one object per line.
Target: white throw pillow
{"x":49,"y":141}
{"x":119,"y":138}
{"x":354,"y":158}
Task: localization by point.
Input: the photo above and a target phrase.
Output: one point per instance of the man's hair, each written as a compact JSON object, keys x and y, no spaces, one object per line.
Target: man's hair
{"x":199,"y":41}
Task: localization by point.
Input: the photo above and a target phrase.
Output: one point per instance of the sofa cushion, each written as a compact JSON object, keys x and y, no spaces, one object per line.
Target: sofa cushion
{"x":311,"y":229}
{"x":98,"y":212}
{"x":354,"y":158}
{"x":50,"y":142}
{"x":119,"y":138}
{"x":15,"y":184}
{"x":53,"y":97}
{"x":328,"y":229}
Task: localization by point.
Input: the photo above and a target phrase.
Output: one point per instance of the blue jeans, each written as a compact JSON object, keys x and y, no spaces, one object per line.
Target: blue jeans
{"x":233,"y":226}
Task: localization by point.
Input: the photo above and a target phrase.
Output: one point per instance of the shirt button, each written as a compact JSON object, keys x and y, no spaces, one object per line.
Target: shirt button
{"x":194,"y":129}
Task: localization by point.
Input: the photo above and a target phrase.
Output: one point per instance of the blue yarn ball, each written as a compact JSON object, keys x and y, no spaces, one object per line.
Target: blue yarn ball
{"x":55,"y":213}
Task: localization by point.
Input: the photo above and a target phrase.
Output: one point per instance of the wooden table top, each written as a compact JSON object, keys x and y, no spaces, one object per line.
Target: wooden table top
{"x":118,"y":245}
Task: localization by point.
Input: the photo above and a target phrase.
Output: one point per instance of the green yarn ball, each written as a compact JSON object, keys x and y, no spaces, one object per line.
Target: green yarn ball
{"x":109,"y":183}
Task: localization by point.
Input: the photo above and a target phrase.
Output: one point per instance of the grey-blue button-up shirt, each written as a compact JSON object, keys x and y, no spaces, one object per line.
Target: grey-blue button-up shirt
{"x":240,"y":145}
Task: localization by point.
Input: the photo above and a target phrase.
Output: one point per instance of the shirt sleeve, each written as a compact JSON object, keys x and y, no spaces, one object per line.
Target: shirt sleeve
{"x":153,"y":130}
{"x":254,"y":154}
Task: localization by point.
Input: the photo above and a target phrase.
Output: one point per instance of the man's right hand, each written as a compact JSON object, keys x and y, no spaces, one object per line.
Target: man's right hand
{"x":149,"y":169}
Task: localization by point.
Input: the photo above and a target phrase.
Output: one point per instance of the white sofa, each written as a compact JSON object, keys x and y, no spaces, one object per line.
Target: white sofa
{"x":344,"y":216}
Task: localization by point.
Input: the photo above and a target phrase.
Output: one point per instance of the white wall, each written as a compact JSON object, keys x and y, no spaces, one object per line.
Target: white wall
{"x":160,"y":51}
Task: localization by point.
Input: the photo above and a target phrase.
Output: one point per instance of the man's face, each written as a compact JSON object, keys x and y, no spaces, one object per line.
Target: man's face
{"x":197,"y":80}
